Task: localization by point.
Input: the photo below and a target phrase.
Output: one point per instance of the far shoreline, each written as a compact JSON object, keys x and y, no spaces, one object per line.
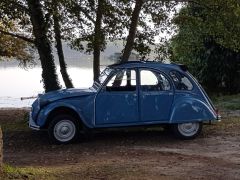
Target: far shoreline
{"x":15,"y":108}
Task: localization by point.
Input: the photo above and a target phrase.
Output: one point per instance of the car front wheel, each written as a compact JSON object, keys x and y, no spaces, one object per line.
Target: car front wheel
{"x":187,"y":130}
{"x":63,"y":129}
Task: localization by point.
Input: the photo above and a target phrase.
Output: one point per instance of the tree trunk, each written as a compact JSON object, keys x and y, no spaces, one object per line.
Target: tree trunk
{"x":130,"y":39}
{"x":43,"y":45}
{"x":98,"y":40}
{"x":1,"y":151}
{"x":132,"y":31}
{"x":63,"y":67}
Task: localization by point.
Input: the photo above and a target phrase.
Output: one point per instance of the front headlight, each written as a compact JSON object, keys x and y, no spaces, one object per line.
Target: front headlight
{"x":42,"y":102}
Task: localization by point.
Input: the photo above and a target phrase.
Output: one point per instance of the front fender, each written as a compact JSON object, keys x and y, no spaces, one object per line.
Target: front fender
{"x":191,"y":109}
{"x":44,"y":112}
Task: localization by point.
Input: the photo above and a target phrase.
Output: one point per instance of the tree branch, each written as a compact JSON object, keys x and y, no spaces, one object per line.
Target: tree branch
{"x":86,"y":14}
{"x":67,"y":29}
{"x":79,"y":8}
{"x":17,"y":36}
{"x":198,"y":2}
{"x":25,"y":9}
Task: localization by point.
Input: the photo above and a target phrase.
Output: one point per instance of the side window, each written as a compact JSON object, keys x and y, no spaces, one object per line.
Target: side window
{"x":148,"y":78}
{"x":181,"y":82}
{"x":123,"y":80}
{"x":153,"y":81}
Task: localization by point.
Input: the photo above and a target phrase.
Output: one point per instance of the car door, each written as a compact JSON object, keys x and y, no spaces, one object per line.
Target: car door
{"x":155,"y":96}
{"x":117,"y":102}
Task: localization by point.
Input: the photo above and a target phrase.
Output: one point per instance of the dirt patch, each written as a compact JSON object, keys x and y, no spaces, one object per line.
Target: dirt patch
{"x":127,"y":154}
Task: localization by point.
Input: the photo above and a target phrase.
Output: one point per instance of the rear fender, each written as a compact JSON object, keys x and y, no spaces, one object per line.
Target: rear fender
{"x":191,"y":110}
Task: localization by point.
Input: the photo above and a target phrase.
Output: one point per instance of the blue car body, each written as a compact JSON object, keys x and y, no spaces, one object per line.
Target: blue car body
{"x":141,"y":104}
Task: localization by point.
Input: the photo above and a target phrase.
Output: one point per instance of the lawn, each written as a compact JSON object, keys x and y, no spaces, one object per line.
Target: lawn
{"x":230,"y":102}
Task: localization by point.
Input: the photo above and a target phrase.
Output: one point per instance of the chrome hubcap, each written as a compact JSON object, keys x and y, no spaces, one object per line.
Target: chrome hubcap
{"x":188,"y":129}
{"x":64,"y":130}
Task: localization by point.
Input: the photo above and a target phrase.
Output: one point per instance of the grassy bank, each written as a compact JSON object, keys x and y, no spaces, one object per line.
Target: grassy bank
{"x":230,"y":102}
{"x":10,"y":172}
{"x":14,"y":119}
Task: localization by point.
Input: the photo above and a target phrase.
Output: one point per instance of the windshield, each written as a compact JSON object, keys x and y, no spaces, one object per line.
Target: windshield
{"x":103,"y":76}
{"x":105,"y":73}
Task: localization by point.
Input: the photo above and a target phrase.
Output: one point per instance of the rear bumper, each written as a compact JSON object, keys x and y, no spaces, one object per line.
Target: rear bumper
{"x":219,"y":117}
{"x":32,"y":124}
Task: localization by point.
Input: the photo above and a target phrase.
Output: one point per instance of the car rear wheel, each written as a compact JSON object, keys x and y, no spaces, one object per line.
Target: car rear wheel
{"x":187,"y":130}
{"x":63,"y":129}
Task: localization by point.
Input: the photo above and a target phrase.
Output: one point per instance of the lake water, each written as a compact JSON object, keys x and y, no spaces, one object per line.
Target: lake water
{"x":17,"y":82}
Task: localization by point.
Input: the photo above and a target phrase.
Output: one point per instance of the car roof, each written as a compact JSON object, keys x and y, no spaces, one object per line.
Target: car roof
{"x":150,"y":64}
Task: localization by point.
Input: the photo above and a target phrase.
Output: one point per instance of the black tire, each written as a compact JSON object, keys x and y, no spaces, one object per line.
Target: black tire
{"x":191,"y":133}
{"x":63,"y":129}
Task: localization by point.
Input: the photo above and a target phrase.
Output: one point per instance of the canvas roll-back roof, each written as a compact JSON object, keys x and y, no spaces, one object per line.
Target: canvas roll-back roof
{"x":150,"y":64}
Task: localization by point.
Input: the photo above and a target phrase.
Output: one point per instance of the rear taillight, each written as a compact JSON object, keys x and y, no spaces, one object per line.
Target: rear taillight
{"x":218,"y":115}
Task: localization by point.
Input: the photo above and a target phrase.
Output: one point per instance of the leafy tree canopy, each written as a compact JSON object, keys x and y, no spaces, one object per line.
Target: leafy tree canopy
{"x":12,"y":47}
{"x":215,"y":18}
{"x":208,"y":41}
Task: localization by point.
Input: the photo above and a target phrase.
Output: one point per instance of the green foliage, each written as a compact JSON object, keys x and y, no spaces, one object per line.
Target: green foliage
{"x":12,"y":47}
{"x":31,"y":21}
{"x":14,"y":18}
{"x":215,"y":18}
{"x":208,"y":45}
{"x":83,"y":20}
{"x":154,"y":20}
{"x":230,"y":102}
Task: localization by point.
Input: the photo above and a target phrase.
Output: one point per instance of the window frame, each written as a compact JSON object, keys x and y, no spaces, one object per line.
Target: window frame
{"x":155,"y":71}
{"x":185,"y":75}
{"x":113,"y":73}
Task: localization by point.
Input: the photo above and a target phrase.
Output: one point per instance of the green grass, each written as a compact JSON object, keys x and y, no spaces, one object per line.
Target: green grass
{"x":19,"y":123}
{"x":10,"y":172}
{"x":230,"y":126}
{"x":229,"y":102}
{"x":88,"y":171}
{"x":14,"y":126}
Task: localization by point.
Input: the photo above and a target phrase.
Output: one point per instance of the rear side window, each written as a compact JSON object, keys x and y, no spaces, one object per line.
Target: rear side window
{"x":153,"y":81}
{"x":181,"y":82}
